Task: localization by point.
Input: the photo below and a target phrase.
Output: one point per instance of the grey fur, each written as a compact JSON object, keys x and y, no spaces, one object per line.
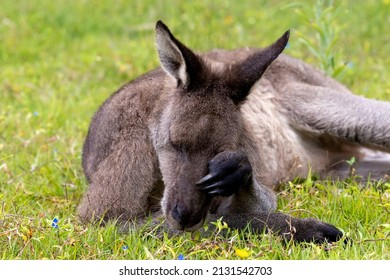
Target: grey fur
{"x":152,"y":140}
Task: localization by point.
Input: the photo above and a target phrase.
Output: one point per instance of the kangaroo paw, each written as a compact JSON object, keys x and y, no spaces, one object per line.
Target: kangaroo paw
{"x":228,"y":172}
{"x":312,"y":230}
{"x":290,"y":228}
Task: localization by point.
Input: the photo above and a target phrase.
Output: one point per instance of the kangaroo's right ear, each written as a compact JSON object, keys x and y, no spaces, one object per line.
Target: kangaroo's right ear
{"x":176,"y":59}
{"x":245,"y":74}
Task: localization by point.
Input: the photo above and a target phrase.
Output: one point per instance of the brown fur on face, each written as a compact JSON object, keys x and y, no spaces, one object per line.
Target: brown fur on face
{"x":199,"y":118}
{"x":192,"y":129}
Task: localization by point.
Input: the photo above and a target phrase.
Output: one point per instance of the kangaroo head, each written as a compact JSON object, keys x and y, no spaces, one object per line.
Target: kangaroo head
{"x":200,"y":118}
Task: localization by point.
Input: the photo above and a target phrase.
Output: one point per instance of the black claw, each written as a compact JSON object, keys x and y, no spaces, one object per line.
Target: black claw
{"x":211,"y":187}
{"x":202,"y":183}
{"x":228,"y":172}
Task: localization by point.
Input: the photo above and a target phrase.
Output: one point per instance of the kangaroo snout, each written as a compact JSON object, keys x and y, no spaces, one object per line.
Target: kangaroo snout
{"x":185,"y":220}
{"x":186,"y":217}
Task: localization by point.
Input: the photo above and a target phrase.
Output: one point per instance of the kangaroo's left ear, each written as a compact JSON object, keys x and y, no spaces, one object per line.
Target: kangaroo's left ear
{"x":176,"y":59}
{"x":245,"y":74}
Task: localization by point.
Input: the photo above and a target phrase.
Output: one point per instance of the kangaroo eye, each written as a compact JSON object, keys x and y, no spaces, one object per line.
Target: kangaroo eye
{"x":189,"y":137}
{"x":177,"y":146}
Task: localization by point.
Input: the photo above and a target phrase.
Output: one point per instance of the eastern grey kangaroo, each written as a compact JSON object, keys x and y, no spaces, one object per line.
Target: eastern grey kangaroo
{"x":214,"y":134}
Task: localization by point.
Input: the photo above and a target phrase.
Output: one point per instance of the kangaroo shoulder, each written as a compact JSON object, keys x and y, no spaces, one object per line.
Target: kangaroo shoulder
{"x":127,"y":108}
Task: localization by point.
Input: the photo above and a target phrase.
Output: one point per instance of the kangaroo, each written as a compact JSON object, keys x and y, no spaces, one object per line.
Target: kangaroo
{"x":214,"y":135}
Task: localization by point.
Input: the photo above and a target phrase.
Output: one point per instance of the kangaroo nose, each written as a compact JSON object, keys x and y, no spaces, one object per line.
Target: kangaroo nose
{"x":185,"y":219}
{"x":177,"y":214}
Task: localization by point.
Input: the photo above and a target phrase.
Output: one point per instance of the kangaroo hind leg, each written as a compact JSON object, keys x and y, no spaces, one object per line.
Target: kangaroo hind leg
{"x":374,"y":166}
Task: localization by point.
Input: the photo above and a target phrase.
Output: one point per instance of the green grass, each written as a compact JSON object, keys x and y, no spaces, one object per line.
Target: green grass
{"x":60,"y":59}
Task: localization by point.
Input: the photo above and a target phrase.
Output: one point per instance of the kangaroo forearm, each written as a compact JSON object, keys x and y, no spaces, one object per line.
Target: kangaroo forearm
{"x":302,"y":230}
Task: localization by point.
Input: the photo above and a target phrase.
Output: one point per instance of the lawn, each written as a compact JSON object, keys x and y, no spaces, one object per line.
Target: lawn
{"x":59,"y":60}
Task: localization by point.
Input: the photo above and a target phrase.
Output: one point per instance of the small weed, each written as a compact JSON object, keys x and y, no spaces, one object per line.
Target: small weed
{"x":323,"y":20}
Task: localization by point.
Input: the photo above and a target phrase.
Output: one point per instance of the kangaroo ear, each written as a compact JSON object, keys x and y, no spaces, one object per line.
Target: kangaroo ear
{"x":245,"y":74}
{"x":175,"y":58}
